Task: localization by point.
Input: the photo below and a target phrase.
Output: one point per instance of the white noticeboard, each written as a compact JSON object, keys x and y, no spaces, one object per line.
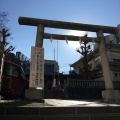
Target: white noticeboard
{"x":37,"y":68}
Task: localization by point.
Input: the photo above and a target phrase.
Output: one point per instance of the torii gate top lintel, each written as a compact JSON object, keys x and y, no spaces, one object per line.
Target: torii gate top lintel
{"x":66,"y":25}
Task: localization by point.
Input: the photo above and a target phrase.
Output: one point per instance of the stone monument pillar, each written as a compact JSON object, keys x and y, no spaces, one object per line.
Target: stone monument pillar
{"x":109,"y":94}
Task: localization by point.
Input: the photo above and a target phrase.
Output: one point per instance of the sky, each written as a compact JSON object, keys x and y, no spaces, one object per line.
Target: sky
{"x":98,"y":12}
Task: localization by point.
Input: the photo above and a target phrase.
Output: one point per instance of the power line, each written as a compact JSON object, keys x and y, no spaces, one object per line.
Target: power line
{"x":64,"y":66}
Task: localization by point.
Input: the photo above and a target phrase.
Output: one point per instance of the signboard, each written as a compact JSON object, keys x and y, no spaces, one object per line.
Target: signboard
{"x":37,"y":68}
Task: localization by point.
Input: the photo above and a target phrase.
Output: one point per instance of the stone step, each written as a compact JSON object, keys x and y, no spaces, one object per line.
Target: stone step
{"x":58,"y":110}
{"x":60,"y":113}
{"x":68,"y":117}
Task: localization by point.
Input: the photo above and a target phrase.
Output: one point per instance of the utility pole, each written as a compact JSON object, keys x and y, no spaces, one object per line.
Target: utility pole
{"x":54,"y":63}
{"x":57,"y":58}
{"x":54,"y":80}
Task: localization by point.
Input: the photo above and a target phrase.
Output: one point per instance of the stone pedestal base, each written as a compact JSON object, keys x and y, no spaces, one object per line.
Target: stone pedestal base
{"x":111,"y":96}
{"x":33,"y":94}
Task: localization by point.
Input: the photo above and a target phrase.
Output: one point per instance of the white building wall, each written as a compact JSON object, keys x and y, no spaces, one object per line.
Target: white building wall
{"x":115,"y":55}
{"x":112,"y":38}
{"x":95,"y":46}
{"x":77,"y":71}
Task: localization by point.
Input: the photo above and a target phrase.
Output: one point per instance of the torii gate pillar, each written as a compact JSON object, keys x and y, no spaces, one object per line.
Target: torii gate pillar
{"x":109,"y":94}
{"x":33,"y":93}
{"x":39,"y":36}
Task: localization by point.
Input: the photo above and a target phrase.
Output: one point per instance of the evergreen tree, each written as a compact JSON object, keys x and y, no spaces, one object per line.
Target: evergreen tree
{"x":4,"y":45}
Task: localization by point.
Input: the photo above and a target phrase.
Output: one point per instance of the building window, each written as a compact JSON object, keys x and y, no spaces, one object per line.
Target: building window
{"x":117,"y":75}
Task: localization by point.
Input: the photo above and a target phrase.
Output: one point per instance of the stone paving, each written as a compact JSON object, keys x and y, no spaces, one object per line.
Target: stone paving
{"x":83,"y":103}
{"x":55,"y":102}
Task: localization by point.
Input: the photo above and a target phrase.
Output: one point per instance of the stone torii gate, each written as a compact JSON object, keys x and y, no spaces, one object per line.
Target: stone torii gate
{"x":109,"y":93}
